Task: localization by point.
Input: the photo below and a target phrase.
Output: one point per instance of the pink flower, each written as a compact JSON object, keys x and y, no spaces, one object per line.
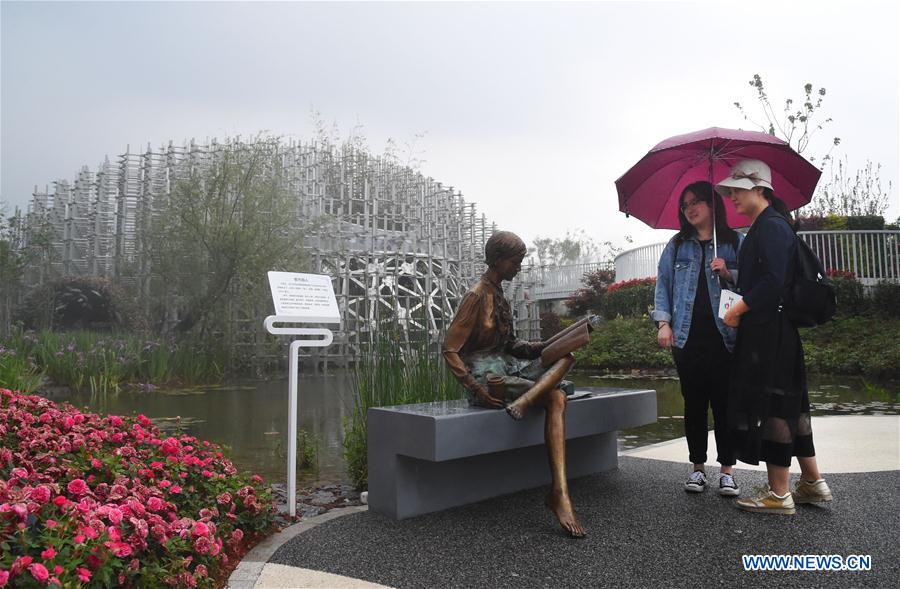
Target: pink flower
{"x":4,"y":578}
{"x":84,"y":575}
{"x":48,"y":554}
{"x":96,"y":463}
{"x":20,"y":564}
{"x":175,"y":489}
{"x":120,"y":549}
{"x":170,"y":446}
{"x":164,"y":483}
{"x":237,"y":535}
{"x":77,"y":487}
{"x":155,"y":504}
{"x":39,"y":572}
{"x":57,"y":570}
{"x":115,"y":421}
{"x":19,"y":473}
{"x":40,"y":495}
{"x":200,"y":529}
{"x":224,"y":499}
{"x":202,"y":545}
{"x":50,"y":523}
{"x":115,"y":515}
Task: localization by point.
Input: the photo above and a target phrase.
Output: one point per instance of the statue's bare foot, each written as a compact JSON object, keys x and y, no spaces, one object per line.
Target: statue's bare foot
{"x":561,"y":506}
{"x":515,"y":411}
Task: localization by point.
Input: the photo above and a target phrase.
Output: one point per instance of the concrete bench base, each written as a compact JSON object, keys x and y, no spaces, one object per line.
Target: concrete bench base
{"x":432,"y":456}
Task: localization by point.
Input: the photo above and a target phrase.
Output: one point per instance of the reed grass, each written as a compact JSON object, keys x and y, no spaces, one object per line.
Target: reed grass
{"x":104,"y":362}
{"x":392,"y":371}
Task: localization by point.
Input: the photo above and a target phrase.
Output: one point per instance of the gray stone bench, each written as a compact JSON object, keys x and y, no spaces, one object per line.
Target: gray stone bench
{"x":433,"y":456}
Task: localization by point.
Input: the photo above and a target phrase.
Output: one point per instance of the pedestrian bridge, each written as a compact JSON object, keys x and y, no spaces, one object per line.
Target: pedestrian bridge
{"x":871,"y":256}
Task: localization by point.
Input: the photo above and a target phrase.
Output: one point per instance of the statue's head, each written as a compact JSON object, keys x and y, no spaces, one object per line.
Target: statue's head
{"x":504,"y":252}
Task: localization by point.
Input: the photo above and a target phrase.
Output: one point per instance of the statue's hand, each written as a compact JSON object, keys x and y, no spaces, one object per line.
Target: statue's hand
{"x":485,"y":397}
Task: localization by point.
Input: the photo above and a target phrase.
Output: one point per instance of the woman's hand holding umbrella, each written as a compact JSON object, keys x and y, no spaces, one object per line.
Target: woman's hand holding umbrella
{"x":720,"y":269}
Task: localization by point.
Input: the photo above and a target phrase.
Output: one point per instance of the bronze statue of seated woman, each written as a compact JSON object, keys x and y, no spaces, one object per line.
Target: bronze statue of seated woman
{"x":499,"y":371}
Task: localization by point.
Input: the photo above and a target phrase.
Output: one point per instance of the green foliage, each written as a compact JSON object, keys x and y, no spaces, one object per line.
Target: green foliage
{"x":624,"y":343}
{"x":865,"y":222}
{"x":850,"y":295}
{"x":551,"y":324}
{"x":80,"y":302}
{"x":632,"y":298}
{"x":852,"y":345}
{"x":886,"y":298}
{"x":590,"y":298}
{"x":574,"y":248}
{"x":104,"y":362}
{"x":392,"y":372}
{"x":865,"y":345}
{"x":307,"y":451}
{"x":835,"y":223}
{"x":18,"y":372}
{"x":226,"y":225}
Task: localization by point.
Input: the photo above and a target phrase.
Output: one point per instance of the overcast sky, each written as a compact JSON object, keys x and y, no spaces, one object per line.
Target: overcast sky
{"x":532,"y":110}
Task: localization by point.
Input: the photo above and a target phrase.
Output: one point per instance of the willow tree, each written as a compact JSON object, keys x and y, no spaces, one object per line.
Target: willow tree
{"x":226,"y":222}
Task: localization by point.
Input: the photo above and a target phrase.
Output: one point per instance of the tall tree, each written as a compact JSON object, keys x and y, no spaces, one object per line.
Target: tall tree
{"x":227,"y":222}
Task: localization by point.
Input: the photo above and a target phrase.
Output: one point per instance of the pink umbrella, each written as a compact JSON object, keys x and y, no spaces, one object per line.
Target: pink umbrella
{"x":651,"y":188}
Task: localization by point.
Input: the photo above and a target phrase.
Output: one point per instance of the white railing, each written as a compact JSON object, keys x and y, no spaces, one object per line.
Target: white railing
{"x":555,"y":282}
{"x":870,"y":255}
{"x":640,"y":262}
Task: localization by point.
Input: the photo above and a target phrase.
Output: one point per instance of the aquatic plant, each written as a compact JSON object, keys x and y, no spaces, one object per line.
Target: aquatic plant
{"x":392,"y":372}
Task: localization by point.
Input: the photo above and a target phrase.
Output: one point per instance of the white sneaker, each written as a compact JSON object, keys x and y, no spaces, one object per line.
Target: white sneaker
{"x":696,"y":483}
{"x":812,"y":492}
{"x":727,"y":486}
{"x":767,"y":501}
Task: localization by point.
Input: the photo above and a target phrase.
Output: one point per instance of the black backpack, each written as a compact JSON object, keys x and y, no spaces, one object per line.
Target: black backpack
{"x":810,"y":299}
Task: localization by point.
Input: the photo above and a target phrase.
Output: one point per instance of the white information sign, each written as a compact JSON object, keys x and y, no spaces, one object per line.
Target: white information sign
{"x":306,"y":297}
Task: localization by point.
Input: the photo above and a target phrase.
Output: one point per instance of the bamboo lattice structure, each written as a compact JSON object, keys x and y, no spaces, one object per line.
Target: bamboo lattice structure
{"x":402,"y":248}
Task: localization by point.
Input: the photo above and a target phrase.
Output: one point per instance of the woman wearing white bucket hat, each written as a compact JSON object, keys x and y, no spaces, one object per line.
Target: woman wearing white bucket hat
{"x":769,"y":405}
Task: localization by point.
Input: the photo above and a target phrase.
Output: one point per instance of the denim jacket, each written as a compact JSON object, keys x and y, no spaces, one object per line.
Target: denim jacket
{"x":676,"y":287}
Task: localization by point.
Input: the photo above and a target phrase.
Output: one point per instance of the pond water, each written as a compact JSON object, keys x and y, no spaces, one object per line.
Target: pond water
{"x":250,"y":418}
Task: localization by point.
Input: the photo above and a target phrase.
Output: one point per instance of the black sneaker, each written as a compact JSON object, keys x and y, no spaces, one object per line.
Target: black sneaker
{"x":696,"y":483}
{"x":727,"y":486}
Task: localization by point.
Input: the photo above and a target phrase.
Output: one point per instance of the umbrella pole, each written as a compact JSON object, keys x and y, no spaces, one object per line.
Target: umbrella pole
{"x":713,"y":205}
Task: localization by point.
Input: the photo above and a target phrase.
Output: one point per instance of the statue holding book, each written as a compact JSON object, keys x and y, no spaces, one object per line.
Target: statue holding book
{"x":501,"y":372}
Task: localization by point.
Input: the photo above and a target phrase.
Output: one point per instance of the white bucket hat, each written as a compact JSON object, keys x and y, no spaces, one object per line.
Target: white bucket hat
{"x":746,"y":174}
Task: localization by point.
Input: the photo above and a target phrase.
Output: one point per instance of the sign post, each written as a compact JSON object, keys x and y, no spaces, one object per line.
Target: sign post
{"x":300,"y":299}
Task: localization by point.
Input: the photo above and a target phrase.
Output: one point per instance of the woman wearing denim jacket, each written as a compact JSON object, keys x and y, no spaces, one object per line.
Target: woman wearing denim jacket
{"x":686,"y":313}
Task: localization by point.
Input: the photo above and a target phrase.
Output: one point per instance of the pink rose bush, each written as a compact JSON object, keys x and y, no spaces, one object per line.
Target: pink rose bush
{"x":94,"y":501}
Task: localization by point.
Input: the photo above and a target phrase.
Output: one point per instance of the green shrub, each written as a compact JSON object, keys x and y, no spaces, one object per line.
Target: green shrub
{"x":631,"y":298}
{"x":865,"y":345}
{"x":886,"y":298}
{"x":835,"y":223}
{"x":850,"y":295}
{"x":590,"y":298}
{"x":624,"y":343}
{"x":865,"y":222}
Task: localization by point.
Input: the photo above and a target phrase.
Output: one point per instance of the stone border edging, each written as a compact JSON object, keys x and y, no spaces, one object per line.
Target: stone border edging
{"x":249,"y":569}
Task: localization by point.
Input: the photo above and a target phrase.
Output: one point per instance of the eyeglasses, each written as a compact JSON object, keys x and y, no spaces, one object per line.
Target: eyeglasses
{"x":686,"y":205}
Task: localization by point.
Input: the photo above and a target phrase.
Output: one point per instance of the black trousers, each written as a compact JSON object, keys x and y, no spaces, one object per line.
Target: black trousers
{"x":704,"y":368}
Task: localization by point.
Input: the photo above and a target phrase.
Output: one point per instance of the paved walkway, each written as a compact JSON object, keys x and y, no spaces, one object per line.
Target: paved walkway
{"x":643,"y":530}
